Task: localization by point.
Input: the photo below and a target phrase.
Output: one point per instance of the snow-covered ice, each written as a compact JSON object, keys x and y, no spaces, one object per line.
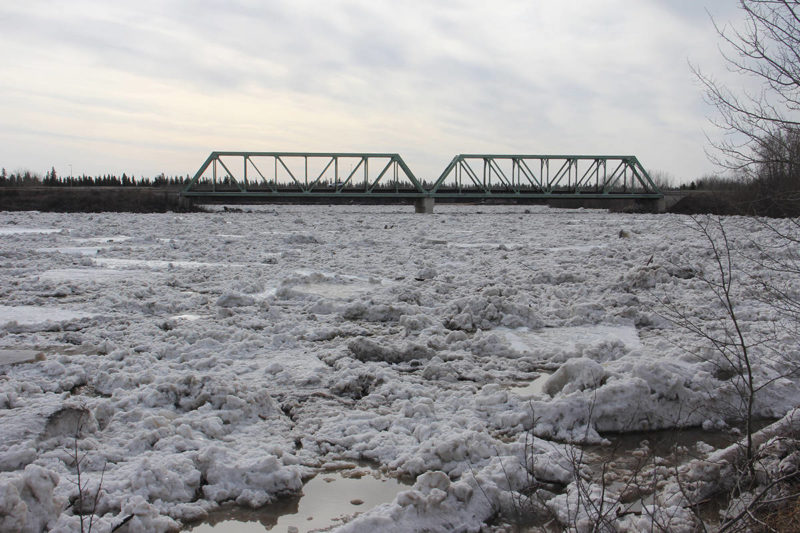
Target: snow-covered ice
{"x":569,"y":340}
{"x":15,"y":230}
{"x":12,"y":357}
{"x":43,"y":316}
{"x":226,"y":357}
{"x":73,"y":250}
{"x":114,"y":262}
{"x":96,"y":275}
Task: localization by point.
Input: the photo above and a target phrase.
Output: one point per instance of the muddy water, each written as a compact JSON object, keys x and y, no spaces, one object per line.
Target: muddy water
{"x":684,"y":443}
{"x":625,"y":467}
{"x":328,"y":499}
{"x":632,"y":454}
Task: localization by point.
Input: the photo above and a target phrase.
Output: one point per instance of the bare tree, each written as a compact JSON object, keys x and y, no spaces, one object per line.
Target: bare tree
{"x":777,"y":271}
{"x":760,"y":124}
{"x":85,"y":503}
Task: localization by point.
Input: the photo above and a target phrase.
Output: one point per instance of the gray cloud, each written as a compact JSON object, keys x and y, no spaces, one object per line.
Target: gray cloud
{"x":698,"y":12}
{"x":532,"y":76}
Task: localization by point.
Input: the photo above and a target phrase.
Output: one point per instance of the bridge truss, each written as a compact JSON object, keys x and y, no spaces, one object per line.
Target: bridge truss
{"x":514,"y":176}
{"x":303,"y":174}
{"x":375,"y":175}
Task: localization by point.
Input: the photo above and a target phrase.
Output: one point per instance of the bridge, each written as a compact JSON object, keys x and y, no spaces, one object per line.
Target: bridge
{"x":561,"y":180}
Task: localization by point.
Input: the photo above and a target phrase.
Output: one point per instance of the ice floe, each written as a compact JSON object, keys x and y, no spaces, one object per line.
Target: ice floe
{"x":225,"y":358}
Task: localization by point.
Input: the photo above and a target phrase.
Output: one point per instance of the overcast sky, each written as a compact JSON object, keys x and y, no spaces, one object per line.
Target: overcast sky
{"x":155,"y":85}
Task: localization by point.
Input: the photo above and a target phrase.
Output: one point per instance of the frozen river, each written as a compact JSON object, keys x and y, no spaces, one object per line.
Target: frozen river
{"x":221,"y":357}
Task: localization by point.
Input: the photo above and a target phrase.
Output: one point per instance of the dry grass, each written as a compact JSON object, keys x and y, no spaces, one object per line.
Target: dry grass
{"x":783,"y":517}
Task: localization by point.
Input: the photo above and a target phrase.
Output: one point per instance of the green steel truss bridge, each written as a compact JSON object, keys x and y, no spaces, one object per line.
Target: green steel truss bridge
{"x":300,"y":174}
{"x":260,"y":176}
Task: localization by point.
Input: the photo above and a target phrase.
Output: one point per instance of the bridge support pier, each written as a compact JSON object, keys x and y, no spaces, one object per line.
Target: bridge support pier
{"x":185,"y":202}
{"x":424,"y":205}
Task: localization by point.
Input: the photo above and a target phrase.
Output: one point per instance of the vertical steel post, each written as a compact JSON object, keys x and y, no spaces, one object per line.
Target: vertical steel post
{"x":513,"y":169}
{"x":568,"y":173}
{"x":605,"y":170}
{"x":543,"y":179}
{"x":597,"y":182}
{"x":597,"y":170}
{"x":575,"y":166}
{"x":544,"y":164}
{"x":625,"y":184}
{"x":625,"y":174}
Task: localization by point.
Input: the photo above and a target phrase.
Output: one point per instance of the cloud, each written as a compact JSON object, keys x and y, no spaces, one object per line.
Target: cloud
{"x":421,"y":78}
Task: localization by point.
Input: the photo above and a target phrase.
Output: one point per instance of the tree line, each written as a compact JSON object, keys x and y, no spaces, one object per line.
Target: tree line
{"x":27,"y":178}
{"x":760,"y":141}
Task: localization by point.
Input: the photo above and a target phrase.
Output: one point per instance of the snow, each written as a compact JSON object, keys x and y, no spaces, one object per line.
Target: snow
{"x":11,"y":357}
{"x":73,"y":250}
{"x":117,"y":263}
{"x":535,"y":386}
{"x":102,"y":240}
{"x":94,"y":275}
{"x":187,"y":316}
{"x":13,"y":230}
{"x":224,"y":362}
{"x":38,"y":316}
{"x":569,"y":340}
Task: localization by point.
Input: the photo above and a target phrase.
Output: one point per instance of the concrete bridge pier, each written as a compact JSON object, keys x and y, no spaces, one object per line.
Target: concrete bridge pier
{"x":185,"y":202}
{"x":424,"y":205}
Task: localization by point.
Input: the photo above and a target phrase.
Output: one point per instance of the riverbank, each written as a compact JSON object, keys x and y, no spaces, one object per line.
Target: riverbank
{"x":92,"y":199}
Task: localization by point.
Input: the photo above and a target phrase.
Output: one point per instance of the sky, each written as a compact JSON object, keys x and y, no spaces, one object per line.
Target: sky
{"x":152,"y":86}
